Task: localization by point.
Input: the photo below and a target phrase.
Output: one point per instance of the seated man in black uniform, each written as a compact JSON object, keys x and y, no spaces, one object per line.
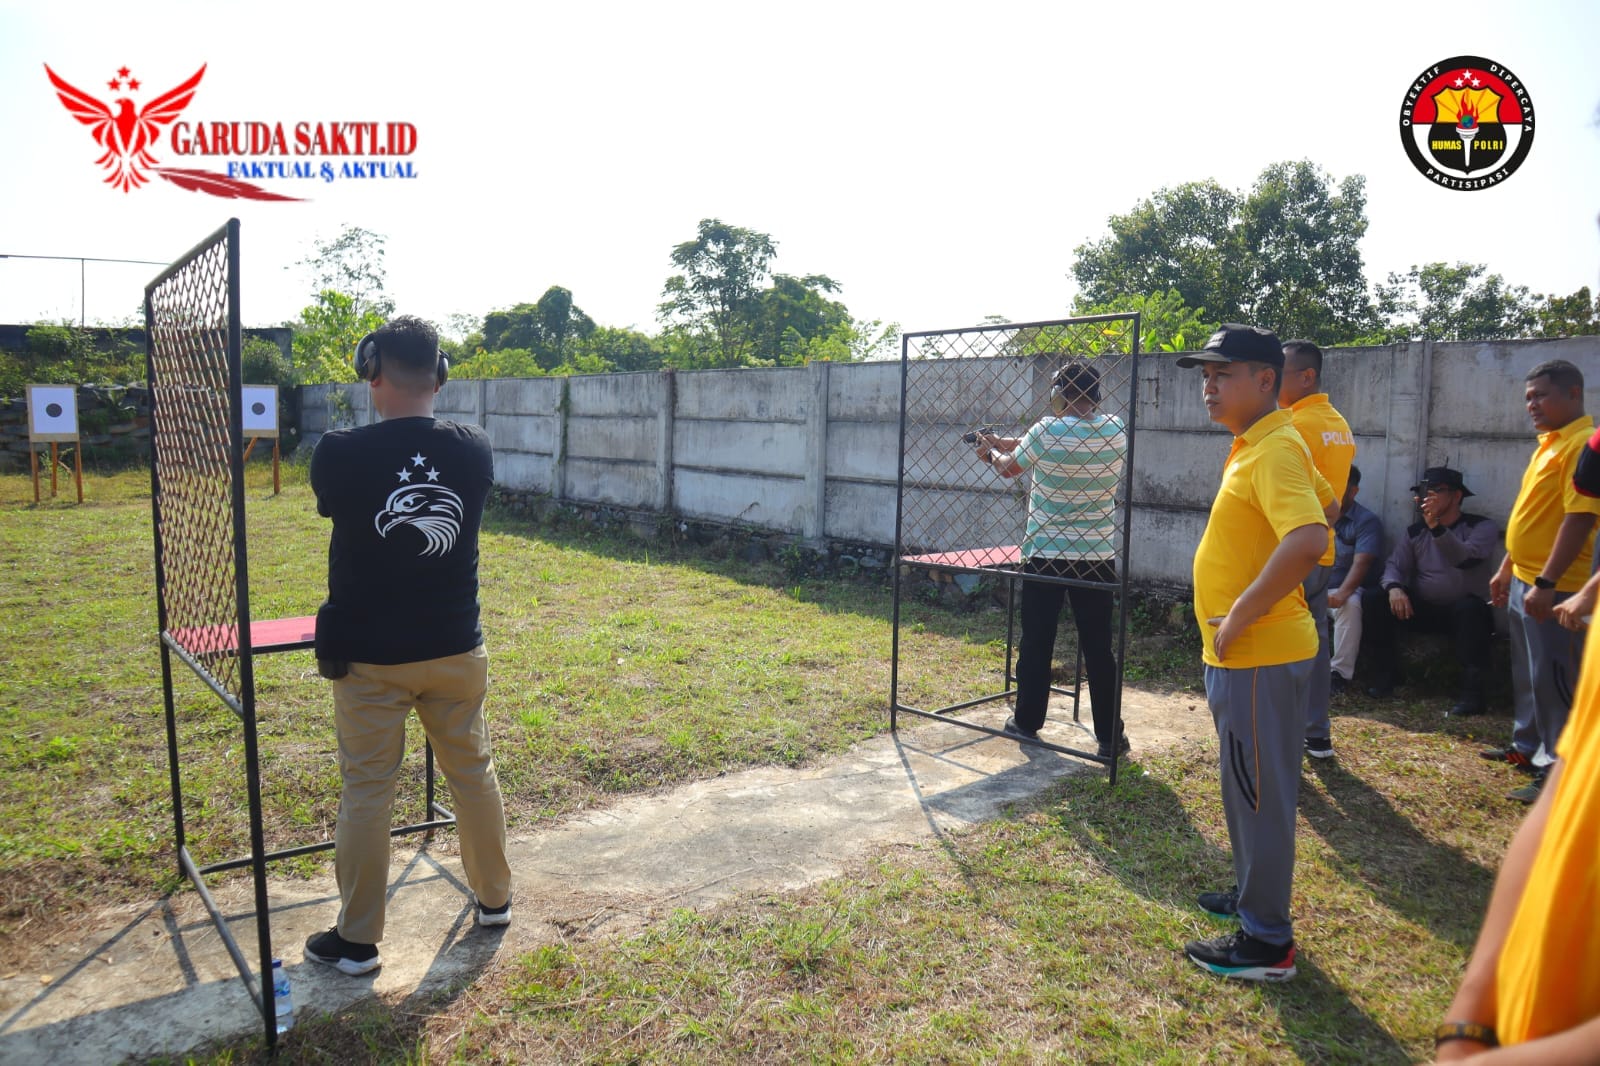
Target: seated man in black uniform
{"x":1436,"y":581}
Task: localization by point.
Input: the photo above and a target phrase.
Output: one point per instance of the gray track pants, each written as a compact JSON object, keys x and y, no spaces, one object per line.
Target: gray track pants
{"x":1552,"y":655}
{"x":1320,"y":688}
{"x":1260,"y":717}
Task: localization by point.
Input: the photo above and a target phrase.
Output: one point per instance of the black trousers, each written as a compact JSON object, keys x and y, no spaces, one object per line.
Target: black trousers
{"x":1469,"y":622}
{"x":1040,"y":612}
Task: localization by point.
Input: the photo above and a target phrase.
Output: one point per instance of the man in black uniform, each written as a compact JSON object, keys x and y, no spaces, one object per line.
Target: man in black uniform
{"x":400,"y":630}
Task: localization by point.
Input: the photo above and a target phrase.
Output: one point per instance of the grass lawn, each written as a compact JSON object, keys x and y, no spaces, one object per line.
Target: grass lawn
{"x":621,"y":666}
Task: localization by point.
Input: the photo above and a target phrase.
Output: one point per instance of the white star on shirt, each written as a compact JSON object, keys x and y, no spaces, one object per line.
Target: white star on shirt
{"x":1476,"y":83}
{"x":433,"y":475}
{"x":1458,"y":83}
{"x":404,"y":475}
{"x":418,"y":459}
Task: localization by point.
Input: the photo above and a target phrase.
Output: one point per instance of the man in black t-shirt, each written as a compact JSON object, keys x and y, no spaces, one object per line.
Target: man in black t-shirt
{"x":400,"y":630}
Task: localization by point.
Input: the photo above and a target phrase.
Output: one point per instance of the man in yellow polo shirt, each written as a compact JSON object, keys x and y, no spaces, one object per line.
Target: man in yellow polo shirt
{"x":1333,"y":449}
{"x":1265,"y":533}
{"x":1534,"y":976}
{"x":1549,"y":548}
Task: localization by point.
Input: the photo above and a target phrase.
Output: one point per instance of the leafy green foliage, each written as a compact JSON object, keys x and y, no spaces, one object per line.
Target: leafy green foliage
{"x":1166,"y":323}
{"x":326,"y":335}
{"x":547,"y":328}
{"x":1437,"y":301}
{"x":352,"y":263}
{"x":502,"y":363}
{"x":1285,"y":254}
{"x":66,"y":354}
{"x":714,"y":302}
{"x":1577,"y":315}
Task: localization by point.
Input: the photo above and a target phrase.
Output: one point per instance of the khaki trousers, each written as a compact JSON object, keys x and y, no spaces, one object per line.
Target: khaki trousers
{"x":370,"y":705}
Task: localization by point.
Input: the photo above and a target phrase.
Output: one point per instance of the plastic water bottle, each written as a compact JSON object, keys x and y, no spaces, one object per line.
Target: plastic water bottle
{"x":282,"y":996}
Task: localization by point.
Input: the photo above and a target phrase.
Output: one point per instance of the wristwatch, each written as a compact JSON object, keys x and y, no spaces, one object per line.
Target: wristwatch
{"x":1483,"y":1034}
{"x":1542,"y":582}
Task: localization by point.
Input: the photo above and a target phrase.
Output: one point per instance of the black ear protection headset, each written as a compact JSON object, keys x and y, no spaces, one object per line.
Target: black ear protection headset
{"x":1063,"y":380}
{"x":367,"y":360}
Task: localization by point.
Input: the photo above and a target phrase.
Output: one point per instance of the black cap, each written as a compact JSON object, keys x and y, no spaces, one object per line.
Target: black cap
{"x":1233,"y":343}
{"x":1440,"y":475}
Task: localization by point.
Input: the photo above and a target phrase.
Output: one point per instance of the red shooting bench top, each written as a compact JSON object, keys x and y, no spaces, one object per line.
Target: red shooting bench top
{"x":1003,"y":555}
{"x":270,"y":635}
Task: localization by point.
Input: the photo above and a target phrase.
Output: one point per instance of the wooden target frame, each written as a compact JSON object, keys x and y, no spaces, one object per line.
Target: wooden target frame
{"x":55,"y":429}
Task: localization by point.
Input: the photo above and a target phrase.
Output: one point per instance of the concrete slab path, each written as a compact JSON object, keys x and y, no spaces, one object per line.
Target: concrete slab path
{"x":154,"y":979}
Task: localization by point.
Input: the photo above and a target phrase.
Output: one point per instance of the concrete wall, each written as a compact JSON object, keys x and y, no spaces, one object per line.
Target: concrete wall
{"x":814,"y":451}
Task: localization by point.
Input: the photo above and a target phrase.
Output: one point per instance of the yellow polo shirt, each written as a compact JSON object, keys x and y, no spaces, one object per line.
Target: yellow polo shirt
{"x":1548,"y":979}
{"x":1545,"y":500}
{"x":1267,"y":492}
{"x":1333,"y":449}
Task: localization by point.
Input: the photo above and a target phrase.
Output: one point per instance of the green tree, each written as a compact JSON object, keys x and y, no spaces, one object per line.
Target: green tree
{"x":1577,"y":315}
{"x":1438,"y":301}
{"x":1177,"y":240}
{"x":352,"y":263}
{"x":712,"y":306}
{"x":1298,"y":245}
{"x":618,"y":347}
{"x":325,"y":337}
{"x":1285,"y":254}
{"x":1166,"y":323}
{"x":790,"y":315}
{"x":499,"y":363}
{"x":263,"y":363}
{"x":545,"y":327}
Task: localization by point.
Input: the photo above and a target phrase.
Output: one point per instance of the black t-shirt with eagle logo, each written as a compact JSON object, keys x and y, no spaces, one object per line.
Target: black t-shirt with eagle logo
{"x":406,"y":497}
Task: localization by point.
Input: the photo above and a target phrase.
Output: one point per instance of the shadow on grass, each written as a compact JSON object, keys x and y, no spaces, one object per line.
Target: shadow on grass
{"x":1141,"y":833}
{"x":1376,"y":845}
{"x":1324,"y":1025}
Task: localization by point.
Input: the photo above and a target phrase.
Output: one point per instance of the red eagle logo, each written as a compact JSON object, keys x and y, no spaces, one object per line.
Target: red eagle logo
{"x":126,"y":135}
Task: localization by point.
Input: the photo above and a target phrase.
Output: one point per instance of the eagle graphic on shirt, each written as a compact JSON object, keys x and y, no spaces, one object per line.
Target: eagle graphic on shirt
{"x":430,"y":508}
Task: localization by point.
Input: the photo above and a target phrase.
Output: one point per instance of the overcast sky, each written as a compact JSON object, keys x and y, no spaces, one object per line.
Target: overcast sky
{"x":940,"y":161}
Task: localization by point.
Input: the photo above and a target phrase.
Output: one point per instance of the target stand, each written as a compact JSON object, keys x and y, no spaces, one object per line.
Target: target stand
{"x":955,"y":515}
{"x":53,"y":420}
{"x":197,"y":438}
{"x":260,"y":421}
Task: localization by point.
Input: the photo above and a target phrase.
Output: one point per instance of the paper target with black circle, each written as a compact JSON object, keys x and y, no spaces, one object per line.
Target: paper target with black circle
{"x":52,"y":412}
{"x":260,"y":404}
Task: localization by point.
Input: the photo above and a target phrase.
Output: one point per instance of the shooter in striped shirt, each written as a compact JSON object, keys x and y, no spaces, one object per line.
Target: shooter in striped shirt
{"x":1076,"y":457}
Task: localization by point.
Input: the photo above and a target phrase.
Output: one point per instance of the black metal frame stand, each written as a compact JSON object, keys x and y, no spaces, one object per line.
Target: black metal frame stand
{"x":1083,"y":337}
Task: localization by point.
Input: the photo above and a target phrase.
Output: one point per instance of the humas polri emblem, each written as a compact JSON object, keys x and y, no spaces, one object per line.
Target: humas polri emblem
{"x":1467,"y":123}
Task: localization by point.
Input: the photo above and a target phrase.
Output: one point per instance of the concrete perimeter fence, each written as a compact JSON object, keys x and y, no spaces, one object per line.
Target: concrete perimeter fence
{"x":812,"y":453}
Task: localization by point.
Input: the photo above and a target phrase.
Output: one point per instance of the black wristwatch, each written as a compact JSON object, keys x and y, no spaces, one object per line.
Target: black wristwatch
{"x":1482,"y":1034}
{"x":1542,"y":582}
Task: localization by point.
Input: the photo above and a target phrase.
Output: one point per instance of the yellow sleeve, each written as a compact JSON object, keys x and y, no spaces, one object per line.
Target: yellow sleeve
{"x":1285,"y":482}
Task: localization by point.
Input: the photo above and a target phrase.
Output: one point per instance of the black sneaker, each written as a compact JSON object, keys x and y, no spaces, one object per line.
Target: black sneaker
{"x":500,"y":915}
{"x":1105,"y":750}
{"x":1242,"y":957}
{"x":1319,"y":747}
{"x":1015,"y":730}
{"x":1220,"y":904}
{"x":331,"y":949}
{"x":1337,"y":683}
{"x":1529,"y":793}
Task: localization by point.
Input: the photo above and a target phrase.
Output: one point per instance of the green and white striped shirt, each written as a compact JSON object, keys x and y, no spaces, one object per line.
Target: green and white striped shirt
{"x":1076,"y":464}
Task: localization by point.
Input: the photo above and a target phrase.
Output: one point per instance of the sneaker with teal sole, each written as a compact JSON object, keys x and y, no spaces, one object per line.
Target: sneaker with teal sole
{"x":1242,"y":957}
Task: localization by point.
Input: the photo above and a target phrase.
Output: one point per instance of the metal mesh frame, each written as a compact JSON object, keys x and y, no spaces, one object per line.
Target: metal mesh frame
{"x":955,"y":514}
{"x":197,"y":491}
